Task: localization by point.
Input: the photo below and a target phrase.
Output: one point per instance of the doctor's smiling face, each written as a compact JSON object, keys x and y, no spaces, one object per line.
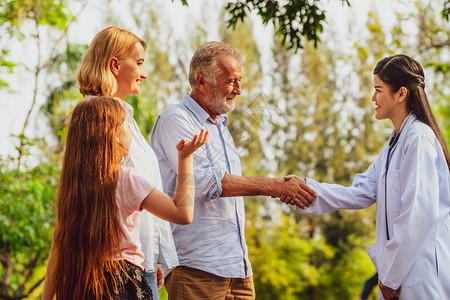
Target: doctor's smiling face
{"x":383,"y":99}
{"x":388,"y":105}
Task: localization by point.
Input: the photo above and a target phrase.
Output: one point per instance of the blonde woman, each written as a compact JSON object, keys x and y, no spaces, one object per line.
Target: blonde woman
{"x":114,"y":66}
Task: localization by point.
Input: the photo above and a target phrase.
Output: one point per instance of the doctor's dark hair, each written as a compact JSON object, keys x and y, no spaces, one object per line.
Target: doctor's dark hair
{"x":402,"y":71}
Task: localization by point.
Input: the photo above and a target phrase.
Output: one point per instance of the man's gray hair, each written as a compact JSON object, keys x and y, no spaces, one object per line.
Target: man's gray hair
{"x":205,"y":60}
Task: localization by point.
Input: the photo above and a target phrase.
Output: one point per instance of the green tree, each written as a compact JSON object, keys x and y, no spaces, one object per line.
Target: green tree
{"x":431,"y":49}
{"x":311,"y":139}
{"x":322,"y":130}
{"x":311,"y":122}
{"x":63,"y":97}
{"x":166,"y":79}
{"x":46,"y":18}
{"x":26,"y":217}
{"x":295,"y":256}
{"x":28,"y":187}
{"x":446,"y":10}
{"x":294,"y":20}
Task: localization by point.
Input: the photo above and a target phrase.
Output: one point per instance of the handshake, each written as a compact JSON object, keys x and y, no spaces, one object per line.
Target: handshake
{"x":294,"y":191}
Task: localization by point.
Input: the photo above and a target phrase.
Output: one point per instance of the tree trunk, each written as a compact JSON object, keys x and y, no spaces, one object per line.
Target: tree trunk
{"x":6,"y":261}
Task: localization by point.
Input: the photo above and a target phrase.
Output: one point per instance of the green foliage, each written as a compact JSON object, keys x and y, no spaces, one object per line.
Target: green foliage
{"x":446,"y":11}
{"x":144,"y":113}
{"x":248,"y":120}
{"x":443,"y":119}
{"x":13,"y":13}
{"x":27,"y":193}
{"x":166,"y":80}
{"x":431,"y":50}
{"x":26,"y":216}
{"x":52,"y":14}
{"x":439,"y":67}
{"x":299,"y":117}
{"x":299,"y":129}
{"x":6,"y":66}
{"x":184,"y":2}
{"x":281,"y":257}
{"x":63,"y":97}
{"x":293,"y":19}
{"x":311,"y":136}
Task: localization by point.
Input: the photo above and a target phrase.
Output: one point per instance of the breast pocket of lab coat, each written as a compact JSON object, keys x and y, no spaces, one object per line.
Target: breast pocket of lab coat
{"x":393,"y":194}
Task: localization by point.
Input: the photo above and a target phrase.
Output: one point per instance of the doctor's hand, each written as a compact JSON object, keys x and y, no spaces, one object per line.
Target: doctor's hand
{"x":387,"y":292}
{"x":302,"y":195}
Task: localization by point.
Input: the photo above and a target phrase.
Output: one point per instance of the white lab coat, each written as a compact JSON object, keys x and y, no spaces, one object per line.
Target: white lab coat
{"x":417,"y":256}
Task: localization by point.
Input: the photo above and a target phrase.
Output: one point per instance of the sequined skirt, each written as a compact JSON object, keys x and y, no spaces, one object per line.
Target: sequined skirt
{"x":133,"y":287}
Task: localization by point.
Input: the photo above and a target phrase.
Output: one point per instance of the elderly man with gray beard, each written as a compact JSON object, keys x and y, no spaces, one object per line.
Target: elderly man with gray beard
{"x":212,"y":250}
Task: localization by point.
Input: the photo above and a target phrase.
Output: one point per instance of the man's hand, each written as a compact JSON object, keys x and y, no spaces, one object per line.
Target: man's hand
{"x":294,"y":191}
{"x":387,"y":292}
{"x":159,"y":275}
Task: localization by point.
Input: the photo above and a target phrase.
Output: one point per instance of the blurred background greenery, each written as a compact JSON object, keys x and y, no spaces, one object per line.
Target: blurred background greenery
{"x":305,"y":109}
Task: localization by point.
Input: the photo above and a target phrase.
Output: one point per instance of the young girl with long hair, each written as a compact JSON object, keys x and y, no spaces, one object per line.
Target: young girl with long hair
{"x":410,"y":183}
{"x":96,"y":250}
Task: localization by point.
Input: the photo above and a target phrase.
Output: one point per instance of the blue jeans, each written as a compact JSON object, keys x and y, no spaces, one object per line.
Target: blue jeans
{"x":151,"y":280}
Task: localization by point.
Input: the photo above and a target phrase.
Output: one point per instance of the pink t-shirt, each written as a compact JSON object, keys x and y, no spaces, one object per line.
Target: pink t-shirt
{"x":131,"y":191}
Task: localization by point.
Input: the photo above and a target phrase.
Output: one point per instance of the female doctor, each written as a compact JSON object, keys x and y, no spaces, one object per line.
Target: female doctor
{"x":410,"y":183}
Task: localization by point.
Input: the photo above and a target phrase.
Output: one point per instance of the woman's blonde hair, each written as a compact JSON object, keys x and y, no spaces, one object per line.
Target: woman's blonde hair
{"x":95,"y":76}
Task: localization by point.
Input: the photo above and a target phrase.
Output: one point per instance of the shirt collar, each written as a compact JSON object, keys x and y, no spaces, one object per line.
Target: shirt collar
{"x":201,"y":115}
{"x":407,"y":123}
{"x":128,"y":108}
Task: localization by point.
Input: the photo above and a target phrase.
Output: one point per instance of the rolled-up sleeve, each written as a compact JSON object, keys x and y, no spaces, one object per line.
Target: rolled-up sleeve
{"x":214,"y":242}
{"x":168,"y":131}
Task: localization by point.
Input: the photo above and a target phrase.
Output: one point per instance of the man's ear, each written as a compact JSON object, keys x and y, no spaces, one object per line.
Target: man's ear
{"x":402,"y":94}
{"x":201,"y":82}
{"x":114,"y":66}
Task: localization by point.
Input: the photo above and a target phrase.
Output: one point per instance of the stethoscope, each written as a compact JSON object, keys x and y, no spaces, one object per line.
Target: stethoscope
{"x":392,"y":143}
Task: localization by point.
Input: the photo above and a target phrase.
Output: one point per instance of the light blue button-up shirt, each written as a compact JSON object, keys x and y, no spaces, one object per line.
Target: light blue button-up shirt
{"x":214,"y":242}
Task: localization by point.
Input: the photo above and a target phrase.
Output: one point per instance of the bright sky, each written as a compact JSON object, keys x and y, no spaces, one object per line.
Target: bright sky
{"x":14,"y":106}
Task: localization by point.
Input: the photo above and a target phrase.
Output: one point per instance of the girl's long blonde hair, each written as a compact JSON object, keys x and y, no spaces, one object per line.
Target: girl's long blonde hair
{"x":95,"y":76}
{"x":86,"y":234}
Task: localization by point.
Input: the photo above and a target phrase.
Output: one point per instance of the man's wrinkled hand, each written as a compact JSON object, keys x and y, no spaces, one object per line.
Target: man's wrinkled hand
{"x":296,"y":192}
{"x":387,"y":292}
